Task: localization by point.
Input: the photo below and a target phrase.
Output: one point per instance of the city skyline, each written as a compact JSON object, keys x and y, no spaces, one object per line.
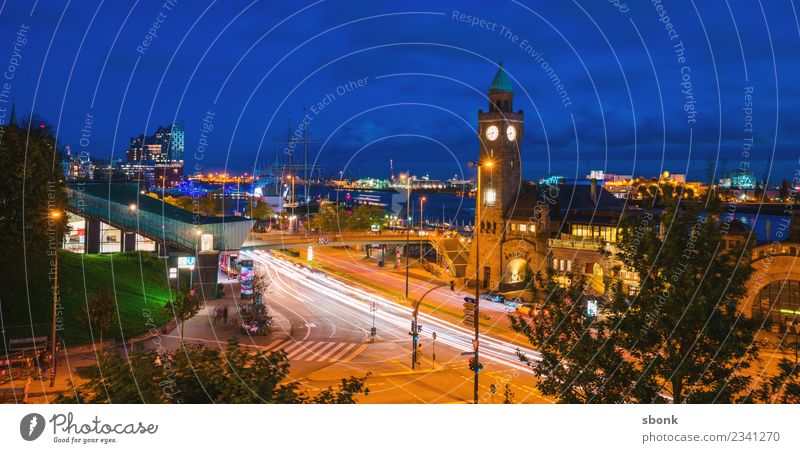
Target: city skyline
{"x":610,"y":95}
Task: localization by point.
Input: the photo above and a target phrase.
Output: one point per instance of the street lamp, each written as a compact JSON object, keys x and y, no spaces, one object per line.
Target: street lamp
{"x":476,"y":235}
{"x":54,"y":215}
{"x":408,"y":224}
{"x":421,"y":200}
{"x":132,"y":207}
{"x":292,"y":179}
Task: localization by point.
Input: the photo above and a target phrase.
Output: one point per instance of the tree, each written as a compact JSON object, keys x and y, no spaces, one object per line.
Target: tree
{"x":683,"y":330}
{"x":32,"y":185}
{"x":364,"y":216}
{"x":681,"y":338}
{"x":101,"y":312}
{"x":581,"y":359}
{"x":260,"y":211}
{"x":784,"y":387}
{"x":328,"y":219}
{"x":195,"y":374}
{"x":184,"y":307}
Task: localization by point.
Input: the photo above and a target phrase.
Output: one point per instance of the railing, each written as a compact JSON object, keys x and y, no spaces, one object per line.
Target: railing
{"x":782,"y":249}
{"x":576,"y":244}
{"x":153,"y":226}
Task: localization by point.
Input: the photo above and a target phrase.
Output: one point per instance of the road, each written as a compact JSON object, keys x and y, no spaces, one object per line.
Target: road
{"x":329,"y":340}
{"x":353,"y":264}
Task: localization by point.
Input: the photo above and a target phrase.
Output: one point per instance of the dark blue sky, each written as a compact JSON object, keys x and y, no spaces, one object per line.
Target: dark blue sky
{"x":426,"y":74}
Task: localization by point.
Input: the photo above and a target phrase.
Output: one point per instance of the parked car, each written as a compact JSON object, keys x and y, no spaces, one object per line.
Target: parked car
{"x":516,"y":301}
{"x":493,"y":296}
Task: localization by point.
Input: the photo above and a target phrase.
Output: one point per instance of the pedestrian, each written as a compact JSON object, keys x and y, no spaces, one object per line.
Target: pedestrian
{"x":225,"y":314}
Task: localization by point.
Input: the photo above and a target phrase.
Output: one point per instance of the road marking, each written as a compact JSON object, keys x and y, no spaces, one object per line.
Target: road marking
{"x":354,"y":354}
{"x":338,"y":355}
{"x":320,"y":351}
{"x":330,"y":353}
{"x":308,"y":349}
{"x":293,"y":346}
{"x":273,"y":344}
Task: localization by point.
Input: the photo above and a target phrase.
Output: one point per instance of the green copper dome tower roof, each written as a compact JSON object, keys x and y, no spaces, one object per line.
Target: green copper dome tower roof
{"x":501,"y":82}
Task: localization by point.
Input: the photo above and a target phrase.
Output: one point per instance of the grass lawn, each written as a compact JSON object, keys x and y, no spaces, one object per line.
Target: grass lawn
{"x":139,"y":282}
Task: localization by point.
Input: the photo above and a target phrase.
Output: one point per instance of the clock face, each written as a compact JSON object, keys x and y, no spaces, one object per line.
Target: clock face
{"x":492,"y":132}
{"x":511,"y":133}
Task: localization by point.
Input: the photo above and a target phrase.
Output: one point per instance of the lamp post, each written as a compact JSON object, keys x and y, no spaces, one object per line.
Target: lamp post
{"x":199,"y":234}
{"x":55,"y":216}
{"x":421,"y":200}
{"x":408,"y":223}
{"x":476,"y":236}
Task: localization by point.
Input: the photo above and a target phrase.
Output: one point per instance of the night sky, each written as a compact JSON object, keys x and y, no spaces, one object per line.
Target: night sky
{"x":425,"y":70}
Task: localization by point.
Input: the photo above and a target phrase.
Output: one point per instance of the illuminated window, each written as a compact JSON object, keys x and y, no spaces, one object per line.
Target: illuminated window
{"x":569,"y":265}
{"x":523,"y":228}
{"x":491,"y":197}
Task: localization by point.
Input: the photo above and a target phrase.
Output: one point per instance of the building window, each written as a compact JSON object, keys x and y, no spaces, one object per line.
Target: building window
{"x":513,"y":227}
{"x":569,"y":265}
{"x":561,"y":265}
{"x":523,"y":228}
{"x":555,"y":263}
{"x":491,"y":197}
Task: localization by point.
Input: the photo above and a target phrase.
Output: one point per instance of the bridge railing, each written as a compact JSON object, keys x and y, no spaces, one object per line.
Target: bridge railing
{"x":153,"y":226}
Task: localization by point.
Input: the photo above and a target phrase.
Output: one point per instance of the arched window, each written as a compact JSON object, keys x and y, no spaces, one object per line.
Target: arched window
{"x":779,"y":303}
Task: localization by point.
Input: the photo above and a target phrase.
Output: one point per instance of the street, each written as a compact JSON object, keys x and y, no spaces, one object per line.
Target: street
{"x":329,"y":340}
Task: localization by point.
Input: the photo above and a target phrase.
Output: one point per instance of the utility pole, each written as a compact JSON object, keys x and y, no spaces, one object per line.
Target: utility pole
{"x":55,"y":215}
{"x":476,"y":235}
{"x":408,"y":226}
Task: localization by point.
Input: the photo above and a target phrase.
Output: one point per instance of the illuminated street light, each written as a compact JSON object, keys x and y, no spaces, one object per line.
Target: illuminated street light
{"x":476,"y":236}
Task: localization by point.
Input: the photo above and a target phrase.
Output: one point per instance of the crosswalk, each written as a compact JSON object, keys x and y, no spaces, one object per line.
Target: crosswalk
{"x":317,"y":351}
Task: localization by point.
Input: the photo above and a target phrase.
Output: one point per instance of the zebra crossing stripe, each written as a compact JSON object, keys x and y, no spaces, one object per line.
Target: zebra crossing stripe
{"x":355,"y":353}
{"x":342,"y":352}
{"x":328,"y":354}
{"x":320,"y":351}
{"x":295,"y":345}
{"x":270,"y":346}
{"x":298,"y":354}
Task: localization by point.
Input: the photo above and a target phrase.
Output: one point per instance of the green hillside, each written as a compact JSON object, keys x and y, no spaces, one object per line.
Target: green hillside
{"x":139,"y":281}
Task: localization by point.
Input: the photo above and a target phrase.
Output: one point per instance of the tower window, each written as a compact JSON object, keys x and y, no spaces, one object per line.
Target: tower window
{"x":491,"y":197}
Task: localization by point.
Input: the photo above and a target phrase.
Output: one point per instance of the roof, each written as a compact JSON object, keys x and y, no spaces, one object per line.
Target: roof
{"x":128,"y":193}
{"x":564,"y":200}
{"x":501,"y":83}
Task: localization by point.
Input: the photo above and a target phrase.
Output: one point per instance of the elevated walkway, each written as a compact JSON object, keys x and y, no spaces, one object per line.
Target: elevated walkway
{"x":123,"y":206}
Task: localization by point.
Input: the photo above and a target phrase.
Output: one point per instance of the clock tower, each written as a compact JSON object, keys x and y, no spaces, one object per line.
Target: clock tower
{"x":500,"y":132}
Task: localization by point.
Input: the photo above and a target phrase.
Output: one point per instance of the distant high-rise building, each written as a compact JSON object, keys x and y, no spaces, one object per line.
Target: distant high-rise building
{"x":156,"y":158}
{"x":164,"y":147}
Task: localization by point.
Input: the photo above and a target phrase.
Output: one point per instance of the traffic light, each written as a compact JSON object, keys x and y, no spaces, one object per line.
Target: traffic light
{"x":472,"y":365}
{"x":452,"y":285}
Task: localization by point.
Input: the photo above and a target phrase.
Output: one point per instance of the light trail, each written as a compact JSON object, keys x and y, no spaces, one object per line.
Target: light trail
{"x":455,"y":336}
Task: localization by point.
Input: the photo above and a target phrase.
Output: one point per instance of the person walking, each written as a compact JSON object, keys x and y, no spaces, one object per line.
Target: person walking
{"x":225,"y":314}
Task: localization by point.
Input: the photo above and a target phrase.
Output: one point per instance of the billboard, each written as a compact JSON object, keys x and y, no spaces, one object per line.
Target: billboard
{"x":246,"y":279}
